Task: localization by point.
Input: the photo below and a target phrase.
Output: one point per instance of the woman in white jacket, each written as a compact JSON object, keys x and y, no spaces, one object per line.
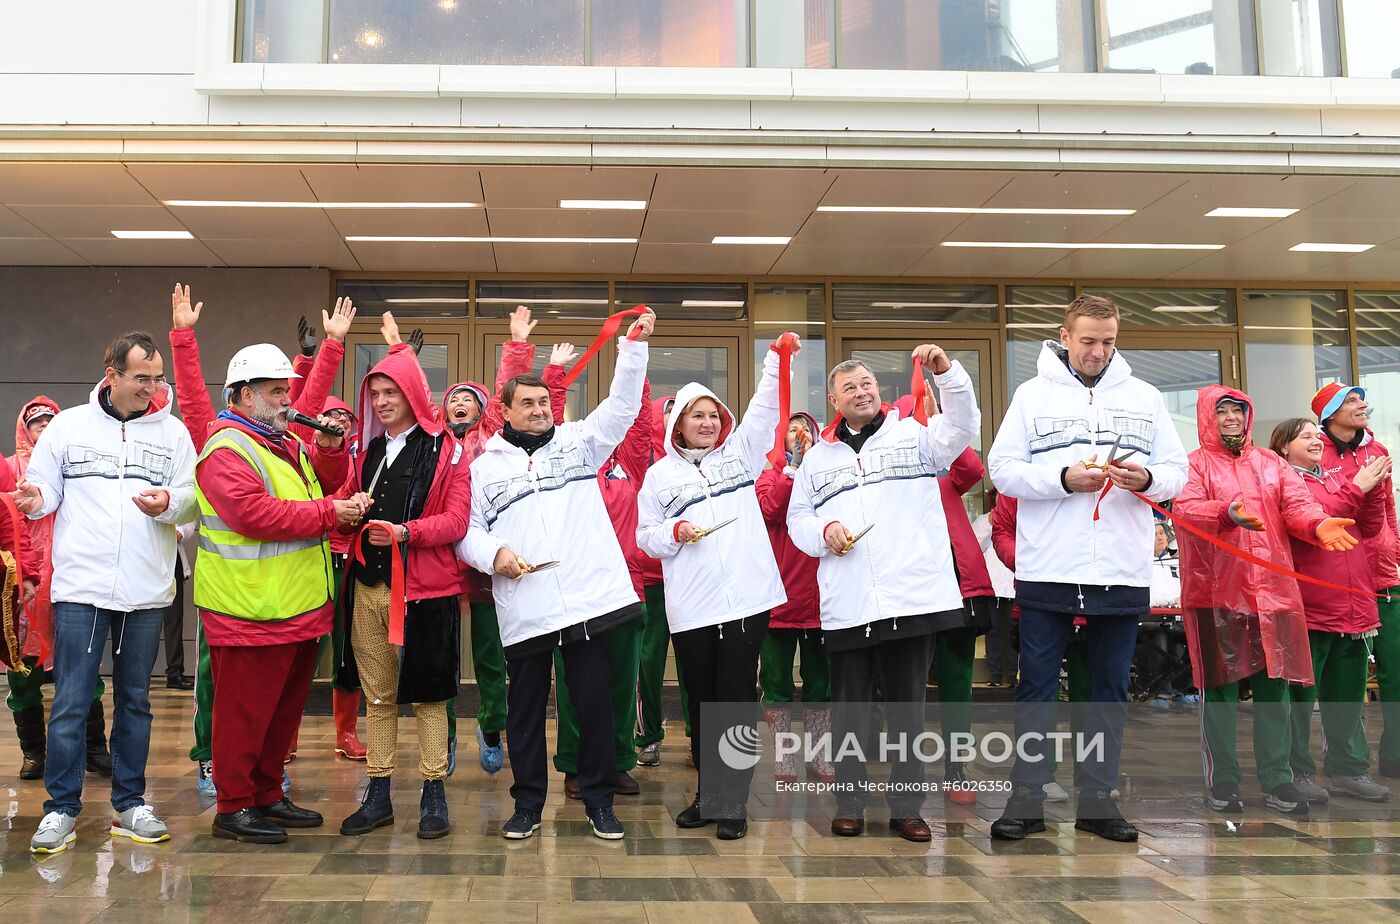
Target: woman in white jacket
{"x":720,"y":587}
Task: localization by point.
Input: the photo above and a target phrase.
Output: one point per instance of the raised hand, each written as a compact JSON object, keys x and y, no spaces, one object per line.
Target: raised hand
{"x":796,"y":342}
{"x":562,"y":354}
{"x":306,"y":337}
{"x":1373,"y":473}
{"x":336,"y":324}
{"x":642,"y":327}
{"x":182,"y":316}
{"x":933,"y":358}
{"x":415,"y":340}
{"x":520,"y":324}
{"x":389,"y":329}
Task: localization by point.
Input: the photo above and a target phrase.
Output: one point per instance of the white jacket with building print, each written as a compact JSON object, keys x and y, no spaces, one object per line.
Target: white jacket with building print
{"x":904,"y":565}
{"x":733,"y":573}
{"x":89,"y":466}
{"x":1054,"y":422}
{"x":548,"y":507}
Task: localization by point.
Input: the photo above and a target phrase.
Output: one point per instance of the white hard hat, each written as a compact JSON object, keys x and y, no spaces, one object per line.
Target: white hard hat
{"x":259,"y":361}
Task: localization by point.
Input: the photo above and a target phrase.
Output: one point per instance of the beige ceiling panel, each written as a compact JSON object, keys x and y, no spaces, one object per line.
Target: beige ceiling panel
{"x":1378,"y":265}
{"x":1152,"y":225}
{"x":1034,"y":227}
{"x":697,"y":227}
{"x":12,"y":224}
{"x":954,"y":188}
{"x":36,"y":251}
{"x":114,"y":252}
{"x":228,"y":224}
{"x":541,"y":187}
{"x":330,"y":254}
{"x":408,"y":222}
{"x":564,"y":258}
{"x":836,"y":229}
{"x":1121,"y":264}
{"x":850,"y":260}
{"x":94,"y":221}
{"x":1240,"y":265}
{"x":1203,"y":192}
{"x":1084,"y":190}
{"x":70,"y":184}
{"x":1367,"y":197}
{"x":782,"y":189}
{"x":707,"y":259}
{"x":274,"y":182}
{"x":557,"y":222}
{"x":424,"y":258}
{"x":958,"y":262}
{"x":394,"y":182}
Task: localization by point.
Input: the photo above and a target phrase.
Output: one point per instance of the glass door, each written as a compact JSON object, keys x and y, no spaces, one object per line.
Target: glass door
{"x":1178,"y":364}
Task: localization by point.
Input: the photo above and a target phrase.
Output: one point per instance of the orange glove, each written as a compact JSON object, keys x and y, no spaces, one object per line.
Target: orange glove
{"x":1244,"y":518}
{"x":1332,"y":534}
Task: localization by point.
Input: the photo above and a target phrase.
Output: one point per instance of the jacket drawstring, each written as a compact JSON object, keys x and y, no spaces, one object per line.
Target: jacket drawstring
{"x":121,"y":634}
{"x":93,"y":636}
{"x":721,"y":631}
{"x":867,"y":630}
{"x":586,"y":636}
{"x":1080,"y":588}
{"x":894,"y":624}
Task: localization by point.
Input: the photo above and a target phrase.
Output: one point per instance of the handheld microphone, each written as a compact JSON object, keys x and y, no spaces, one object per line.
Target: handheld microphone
{"x":297,"y":417}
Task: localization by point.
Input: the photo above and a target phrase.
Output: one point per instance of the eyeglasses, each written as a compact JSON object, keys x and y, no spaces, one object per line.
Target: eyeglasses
{"x":144,"y":381}
{"x":338,"y":415}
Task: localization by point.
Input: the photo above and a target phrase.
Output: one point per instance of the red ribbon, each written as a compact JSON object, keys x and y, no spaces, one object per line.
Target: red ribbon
{"x":918,"y":390}
{"x":398,"y":584}
{"x":777,"y":456}
{"x":610,"y":327}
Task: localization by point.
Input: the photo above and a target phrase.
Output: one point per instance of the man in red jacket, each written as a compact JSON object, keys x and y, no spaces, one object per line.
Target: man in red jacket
{"x":262,"y":654}
{"x":402,"y":589}
{"x":1348,"y":446}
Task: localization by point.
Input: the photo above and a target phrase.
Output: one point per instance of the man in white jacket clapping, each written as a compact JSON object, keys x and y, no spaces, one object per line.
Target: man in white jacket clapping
{"x":119,"y":471}
{"x":885,"y":594}
{"x":536,"y":504}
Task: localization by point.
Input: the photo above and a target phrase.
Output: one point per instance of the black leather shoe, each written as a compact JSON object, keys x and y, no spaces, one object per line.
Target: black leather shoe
{"x":249,"y":826}
{"x":1023,"y":816}
{"x":1101,"y":816}
{"x":376,"y":810}
{"x":731,"y":829}
{"x":433,"y":821}
{"x":284,"y":813}
{"x":179,"y":682}
{"x":695,"y":816}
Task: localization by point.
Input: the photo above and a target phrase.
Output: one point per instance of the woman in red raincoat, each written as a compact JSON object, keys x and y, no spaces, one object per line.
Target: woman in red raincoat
{"x":1244,"y":622}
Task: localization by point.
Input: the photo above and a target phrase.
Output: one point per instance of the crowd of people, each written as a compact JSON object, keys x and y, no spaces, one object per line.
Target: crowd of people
{"x":755,"y":546}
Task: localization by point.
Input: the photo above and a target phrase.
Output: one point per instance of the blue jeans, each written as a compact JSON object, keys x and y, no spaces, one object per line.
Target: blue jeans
{"x":80,"y":635}
{"x":1045,"y":637}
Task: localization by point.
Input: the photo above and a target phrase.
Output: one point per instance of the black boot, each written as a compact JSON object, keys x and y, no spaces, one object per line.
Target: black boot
{"x":432,"y":811}
{"x":98,"y":760}
{"x":1098,"y":814}
{"x":376,"y":810}
{"x":29,"y":726}
{"x":1024,"y":814}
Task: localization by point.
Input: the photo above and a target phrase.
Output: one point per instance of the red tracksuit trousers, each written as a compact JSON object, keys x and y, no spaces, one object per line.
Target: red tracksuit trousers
{"x":259,"y":694}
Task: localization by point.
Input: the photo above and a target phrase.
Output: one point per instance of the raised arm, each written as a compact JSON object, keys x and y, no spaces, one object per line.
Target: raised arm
{"x":602,"y":430}
{"x":196,"y":410}
{"x":754,"y":434}
{"x":634,"y":452}
{"x":517,"y":358}
{"x":951,"y":432}
{"x":317,"y":386}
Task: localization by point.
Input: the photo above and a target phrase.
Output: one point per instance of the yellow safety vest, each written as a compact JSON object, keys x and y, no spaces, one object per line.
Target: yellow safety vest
{"x":249,"y":578}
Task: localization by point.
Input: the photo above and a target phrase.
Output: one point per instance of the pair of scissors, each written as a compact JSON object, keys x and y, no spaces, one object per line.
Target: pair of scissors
{"x":702,"y":533}
{"x":1112,"y":454}
{"x":531,"y":569}
{"x":851,"y":543}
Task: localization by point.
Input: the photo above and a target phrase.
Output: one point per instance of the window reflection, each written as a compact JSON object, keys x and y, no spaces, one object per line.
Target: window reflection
{"x":461,"y":32}
{"x":1298,"y":38}
{"x":1183,"y":37}
{"x":669,"y":33}
{"x":1371,"y":27}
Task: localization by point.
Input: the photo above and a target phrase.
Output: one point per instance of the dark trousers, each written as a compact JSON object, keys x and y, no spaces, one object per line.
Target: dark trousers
{"x":259,"y":694}
{"x":900,"y":669}
{"x":1045,"y":638}
{"x":175,"y":627}
{"x":719,"y":664}
{"x":1001,"y":656}
{"x":587,"y":670}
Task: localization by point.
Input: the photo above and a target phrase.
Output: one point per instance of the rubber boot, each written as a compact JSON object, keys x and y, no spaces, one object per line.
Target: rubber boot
{"x":99,"y":761}
{"x":818,"y":722}
{"x":346,"y":709}
{"x":779,"y":719}
{"x":29,"y":727}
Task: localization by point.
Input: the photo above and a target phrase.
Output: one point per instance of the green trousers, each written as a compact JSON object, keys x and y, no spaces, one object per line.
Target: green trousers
{"x":1386,"y":648}
{"x":489,"y":664}
{"x":26,"y":689}
{"x":1339,"y":666}
{"x":651,"y":673}
{"x":954,"y":650}
{"x":203,"y":748}
{"x":625,"y":652}
{"x":775,"y":662}
{"x":1272,"y":732}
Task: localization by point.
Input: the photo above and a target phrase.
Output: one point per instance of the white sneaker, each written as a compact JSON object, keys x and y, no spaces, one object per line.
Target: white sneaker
{"x":141,"y":825}
{"x":56,"y":832}
{"x":1054,"y":792}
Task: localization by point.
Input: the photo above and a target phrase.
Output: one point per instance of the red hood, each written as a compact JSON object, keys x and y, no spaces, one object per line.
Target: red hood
{"x":483,"y":398}
{"x":401,"y":365}
{"x":23,"y":444}
{"x":1206,"y":400}
{"x":659,"y":407}
{"x":688,"y":395}
{"x":335,"y":404}
{"x":829,"y":434}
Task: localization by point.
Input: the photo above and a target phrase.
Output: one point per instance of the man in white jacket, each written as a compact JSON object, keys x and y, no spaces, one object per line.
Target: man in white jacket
{"x":119,"y":471}
{"x":885,"y":594}
{"x":536,"y":506}
{"x":1081,"y":551}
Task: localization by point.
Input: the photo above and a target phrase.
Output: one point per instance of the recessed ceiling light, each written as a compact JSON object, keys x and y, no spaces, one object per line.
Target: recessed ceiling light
{"x":709,"y":303}
{"x":751,"y":239}
{"x":407,"y":239}
{"x":153,"y":235}
{"x":933,"y":304}
{"x":425,"y":301}
{"x":1228,"y":212}
{"x":1093,"y":245}
{"x":1313,"y":247}
{"x":493,"y":300}
{"x":626,"y":204}
{"x":959,"y":210}
{"x":265,"y":204}
{"x":1186,"y":309}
